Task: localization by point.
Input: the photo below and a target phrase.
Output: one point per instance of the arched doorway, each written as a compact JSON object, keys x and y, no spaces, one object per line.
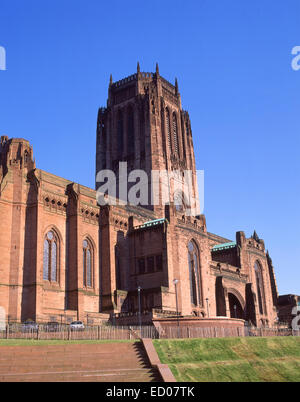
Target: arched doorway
{"x":236,"y":310}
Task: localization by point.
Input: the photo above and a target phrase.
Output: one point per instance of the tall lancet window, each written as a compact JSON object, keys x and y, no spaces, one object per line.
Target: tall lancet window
{"x":175,"y":134}
{"x":142,"y":130}
{"x":183,"y":140}
{"x":50,"y":258}
{"x":188,"y":138}
{"x":194,"y":274}
{"x":168,"y":127}
{"x":103,"y":145}
{"x":120,"y":138}
{"x":130,"y":131}
{"x":259,"y":287}
{"x":87,"y":264}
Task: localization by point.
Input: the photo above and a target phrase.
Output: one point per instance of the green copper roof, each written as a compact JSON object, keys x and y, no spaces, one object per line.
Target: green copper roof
{"x":152,"y":223}
{"x":224,"y":246}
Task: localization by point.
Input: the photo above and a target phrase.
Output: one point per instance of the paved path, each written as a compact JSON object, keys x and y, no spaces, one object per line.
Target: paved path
{"x":107,"y":362}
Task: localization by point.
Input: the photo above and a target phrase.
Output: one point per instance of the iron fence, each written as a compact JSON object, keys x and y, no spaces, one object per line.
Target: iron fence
{"x":271,"y":332}
{"x":65,"y":332}
{"x":107,"y":332}
{"x":199,"y":332}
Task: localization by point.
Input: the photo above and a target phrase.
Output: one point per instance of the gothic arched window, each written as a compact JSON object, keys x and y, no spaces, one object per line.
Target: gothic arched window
{"x":193,"y":257}
{"x":50,"y":258}
{"x":259,"y":286}
{"x":183,"y":139}
{"x":120,"y":139}
{"x":175,"y":134}
{"x":103,"y":145}
{"x":130,"y":131}
{"x":168,"y":127}
{"x":142,"y":130}
{"x":87,"y":263}
{"x":188,"y":141}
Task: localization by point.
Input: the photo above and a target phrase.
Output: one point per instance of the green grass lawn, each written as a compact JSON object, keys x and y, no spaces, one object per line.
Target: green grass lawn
{"x":33,"y":342}
{"x":232,"y":359}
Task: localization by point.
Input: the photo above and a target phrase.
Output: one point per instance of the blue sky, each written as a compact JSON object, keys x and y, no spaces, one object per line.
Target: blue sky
{"x":233,"y":64}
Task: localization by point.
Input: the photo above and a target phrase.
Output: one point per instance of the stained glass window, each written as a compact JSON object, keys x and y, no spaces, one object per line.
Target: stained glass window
{"x":87,"y":264}
{"x":53,"y":261}
{"x":50,"y":257}
{"x":88,"y":268}
{"x":46,"y":260}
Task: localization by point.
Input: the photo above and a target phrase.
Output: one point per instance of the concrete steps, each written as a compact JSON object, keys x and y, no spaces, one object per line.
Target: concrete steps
{"x":115,"y":362}
{"x":139,"y":375}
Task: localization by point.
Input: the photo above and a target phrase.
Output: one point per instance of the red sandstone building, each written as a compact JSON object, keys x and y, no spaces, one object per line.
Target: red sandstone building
{"x":288,"y":308}
{"x":63,"y":257}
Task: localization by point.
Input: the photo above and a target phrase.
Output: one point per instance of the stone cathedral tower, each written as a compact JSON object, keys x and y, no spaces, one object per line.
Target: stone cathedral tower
{"x":145,"y":126}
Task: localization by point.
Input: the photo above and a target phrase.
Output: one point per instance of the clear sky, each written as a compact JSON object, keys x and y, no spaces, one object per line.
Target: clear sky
{"x":232,"y":59}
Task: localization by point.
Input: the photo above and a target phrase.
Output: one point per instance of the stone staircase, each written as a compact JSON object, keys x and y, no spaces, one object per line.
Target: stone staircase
{"x":106,"y":362}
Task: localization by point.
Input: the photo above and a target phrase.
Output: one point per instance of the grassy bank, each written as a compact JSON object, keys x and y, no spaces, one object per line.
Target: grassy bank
{"x":232,"y":359}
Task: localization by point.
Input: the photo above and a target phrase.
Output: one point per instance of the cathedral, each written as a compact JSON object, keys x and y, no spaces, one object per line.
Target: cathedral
{"x":66,"y":256}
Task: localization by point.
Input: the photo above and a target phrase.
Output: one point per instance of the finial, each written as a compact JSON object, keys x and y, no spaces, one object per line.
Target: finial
{"x":255,"y":236}
{"x":138,"y":67}
{"x":110,"y":80}
{"x":176,"y":86}
{"x":157,"y":69}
